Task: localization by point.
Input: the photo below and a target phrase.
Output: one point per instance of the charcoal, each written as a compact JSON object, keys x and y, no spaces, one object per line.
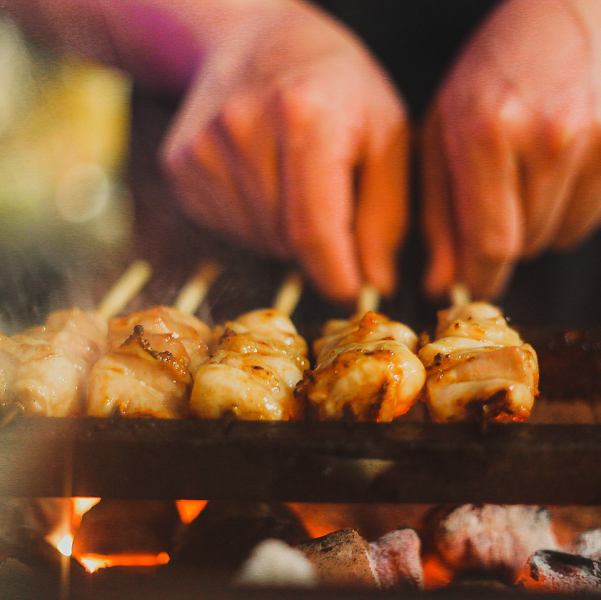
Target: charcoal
{"x":588,"y":544}
{"x":17,"y":580}
{"x":126,"y":526}
{"x":25,"y":520}
{"x":480,"y":582}
{"x":551,"y":571}
{"x":342,"y":558}
{"x":491,"y":537}
{"x":224,"y":533}
{"x":397,"y":561}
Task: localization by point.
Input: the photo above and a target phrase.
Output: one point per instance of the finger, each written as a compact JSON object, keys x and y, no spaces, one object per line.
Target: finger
{"x":381,"y":217}
{"x":194,"y":196}
{"x":546,"y":186}
{"x":486,"y":201}
{"x":318,"y":207}
{"x":248,"y":131}
{"x":437,"y":213}
{"x":211,"y":162}
{"x":583,"y":214}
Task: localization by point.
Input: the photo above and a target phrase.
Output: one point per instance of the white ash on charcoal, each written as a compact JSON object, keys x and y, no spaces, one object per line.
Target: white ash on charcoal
{"x":588,"y":544}
{"x":551,"y":571}
{"x":274,"y":563}
{"x":224,"y":533}
{"x":396,"y":556}
{"x":127,"y":526}
{"x":490,"y":537}
{"x":345,"y":558}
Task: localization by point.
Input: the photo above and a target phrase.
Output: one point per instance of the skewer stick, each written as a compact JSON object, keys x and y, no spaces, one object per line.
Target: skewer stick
{"x":460,"y":294}
{"x":369,"y":299}
{"x":195,"y":289}
{"x":128,"y":285}
{"x":289,"y":294}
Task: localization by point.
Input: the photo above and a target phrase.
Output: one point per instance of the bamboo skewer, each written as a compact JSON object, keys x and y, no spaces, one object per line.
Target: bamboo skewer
{"x":195,"y":290}
{"x":369,"y":299}
{"x":125,"y":289}
{"x":115,"y":300}
{"x":460,"y":294}
{"x":289,"y":294}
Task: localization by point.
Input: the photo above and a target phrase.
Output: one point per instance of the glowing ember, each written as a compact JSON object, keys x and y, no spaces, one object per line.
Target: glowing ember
{"x":436,"y":574}
{"x":189,"y":509}
{"x":93,"y":562}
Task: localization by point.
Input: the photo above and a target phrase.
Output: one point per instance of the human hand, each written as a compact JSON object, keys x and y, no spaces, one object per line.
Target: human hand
{"x":512,"y":144}
{"x":293,"y":141}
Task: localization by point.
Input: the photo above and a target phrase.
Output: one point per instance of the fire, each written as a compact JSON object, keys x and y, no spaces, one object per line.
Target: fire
{"x":63,"y":536}
{"x":82,"y":505}
{"x":64,"y":544}
{"x":436,"y":574}
{"x":189,"y":509}
{"x":75,"y":508}
{"x":93,"y":562}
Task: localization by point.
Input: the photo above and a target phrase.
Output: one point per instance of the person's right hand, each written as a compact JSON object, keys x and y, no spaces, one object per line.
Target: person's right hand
{"x":292,"y":140}
{"x":512,"y":144}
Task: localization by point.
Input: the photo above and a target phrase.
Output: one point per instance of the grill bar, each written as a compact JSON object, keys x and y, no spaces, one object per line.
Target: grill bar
{"x":303,"y":462}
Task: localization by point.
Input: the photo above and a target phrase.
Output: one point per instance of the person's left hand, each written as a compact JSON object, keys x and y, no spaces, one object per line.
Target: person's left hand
{"x":512,"y":145}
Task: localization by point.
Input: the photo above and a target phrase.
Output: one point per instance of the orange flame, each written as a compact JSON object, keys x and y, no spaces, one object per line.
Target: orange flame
{"x":189,"y":509}
{"x":62,"y":539}
{"x":82,"y":505}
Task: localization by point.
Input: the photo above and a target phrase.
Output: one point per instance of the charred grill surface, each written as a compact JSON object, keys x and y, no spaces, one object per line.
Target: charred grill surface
{"x":311,"y":462}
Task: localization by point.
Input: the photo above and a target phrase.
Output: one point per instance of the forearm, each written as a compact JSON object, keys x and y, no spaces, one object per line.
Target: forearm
{"x":160,"y":42}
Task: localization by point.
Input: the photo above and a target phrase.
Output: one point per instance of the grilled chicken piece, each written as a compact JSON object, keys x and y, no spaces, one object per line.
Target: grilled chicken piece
{"x":258,"y":360}
{"x":44,"y":370}
{"x":148,"y":369}
{"x":478,"y":367}
{"x":366,"y":369}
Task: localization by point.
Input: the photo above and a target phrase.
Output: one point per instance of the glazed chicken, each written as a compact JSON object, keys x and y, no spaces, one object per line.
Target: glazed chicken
{"x":149,"y":366}
{"x":366,"y":369}
{"x":44,"y":370}
{"x":478,"y":367}
{"x":258,"y":360}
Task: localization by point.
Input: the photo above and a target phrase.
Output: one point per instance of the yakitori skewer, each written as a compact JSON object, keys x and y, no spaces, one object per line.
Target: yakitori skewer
{"x":478,"y":367}
{"x":258,"y":360}
{"x":44,"y":370}
{"x":152,"y":356}
{"x":367,"y":369}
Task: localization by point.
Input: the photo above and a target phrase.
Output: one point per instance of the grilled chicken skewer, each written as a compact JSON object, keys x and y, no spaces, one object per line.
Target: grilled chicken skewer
{"x":152,"y":356}
{"x":366,"y":369}
{"x":44,"y":370}
{"x":478,"y":367}
{"x":258,"y":360}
